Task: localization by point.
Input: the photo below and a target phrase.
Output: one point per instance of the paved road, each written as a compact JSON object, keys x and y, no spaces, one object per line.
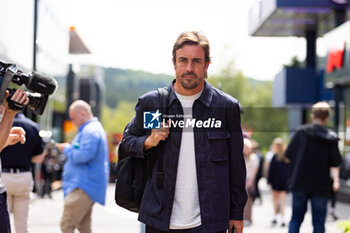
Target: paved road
{"x":262,"y":216}
{"x":45,"y":215}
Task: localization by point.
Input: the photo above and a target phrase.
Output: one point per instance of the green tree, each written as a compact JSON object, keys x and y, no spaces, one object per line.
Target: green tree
{"x":114,"y":120}
{"x":128,"y":85}
{"x":258,"y":116}
{"x":123,"y":87}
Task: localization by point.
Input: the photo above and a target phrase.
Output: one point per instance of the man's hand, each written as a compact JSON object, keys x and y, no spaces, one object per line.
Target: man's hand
{"x":61,"y":146}
{"x":7,"y":119}
{"x":335,"y":176}
{"x":156,"y":136}
{"x":237,"y":225}
{"x":17,"y":134}
{"x":249,"y":183}
{"x":336,"y":186}
{"x":19,"y":97}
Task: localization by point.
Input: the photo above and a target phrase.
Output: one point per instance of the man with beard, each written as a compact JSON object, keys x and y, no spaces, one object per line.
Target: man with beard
{"x":202,"y":186}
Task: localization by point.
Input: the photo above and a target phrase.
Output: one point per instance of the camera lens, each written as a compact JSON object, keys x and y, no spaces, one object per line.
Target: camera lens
{"x":37,"y":102}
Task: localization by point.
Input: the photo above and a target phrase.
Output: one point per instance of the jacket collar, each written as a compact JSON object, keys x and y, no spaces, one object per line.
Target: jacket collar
{"x":206,"y":96}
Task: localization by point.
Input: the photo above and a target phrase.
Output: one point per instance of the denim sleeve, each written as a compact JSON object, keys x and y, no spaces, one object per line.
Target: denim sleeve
{"x":238,"y":194}
{"x":135,"y":135}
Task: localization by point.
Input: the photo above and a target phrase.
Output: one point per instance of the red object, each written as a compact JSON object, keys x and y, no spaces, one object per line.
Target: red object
{"x":335,"y":60}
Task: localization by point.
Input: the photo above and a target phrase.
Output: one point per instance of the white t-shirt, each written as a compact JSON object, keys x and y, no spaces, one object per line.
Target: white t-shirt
{"x":186,"y":212}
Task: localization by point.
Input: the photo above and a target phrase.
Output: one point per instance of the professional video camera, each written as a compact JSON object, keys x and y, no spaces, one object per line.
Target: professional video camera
{"x":34,"y":81}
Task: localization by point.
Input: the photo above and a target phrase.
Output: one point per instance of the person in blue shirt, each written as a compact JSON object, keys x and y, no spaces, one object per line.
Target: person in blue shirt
{"x":86,"y":170}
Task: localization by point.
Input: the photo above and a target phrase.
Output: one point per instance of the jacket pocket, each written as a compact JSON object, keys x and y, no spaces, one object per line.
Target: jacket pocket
{"x":218,"y":142}
{"x":152,"y":204}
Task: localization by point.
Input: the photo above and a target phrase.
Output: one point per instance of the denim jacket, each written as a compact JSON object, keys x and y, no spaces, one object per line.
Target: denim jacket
{"x":221,"y":171}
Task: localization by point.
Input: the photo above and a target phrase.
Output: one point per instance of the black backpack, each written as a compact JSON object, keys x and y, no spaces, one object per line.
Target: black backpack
{"x":133,"y":173}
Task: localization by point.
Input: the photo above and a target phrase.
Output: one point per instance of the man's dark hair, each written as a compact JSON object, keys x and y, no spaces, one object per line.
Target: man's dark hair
{"x":192,"y":38}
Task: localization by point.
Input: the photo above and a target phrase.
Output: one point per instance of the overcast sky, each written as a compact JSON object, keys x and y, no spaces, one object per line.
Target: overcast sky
{"x":139,"y":34}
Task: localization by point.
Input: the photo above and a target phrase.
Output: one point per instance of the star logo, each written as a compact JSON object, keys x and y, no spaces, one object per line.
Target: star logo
{"x":151,"y":120}
{"x":155,"y":115}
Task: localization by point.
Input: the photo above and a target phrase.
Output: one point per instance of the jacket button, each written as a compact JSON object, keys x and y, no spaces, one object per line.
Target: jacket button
{"x":170,"y":188}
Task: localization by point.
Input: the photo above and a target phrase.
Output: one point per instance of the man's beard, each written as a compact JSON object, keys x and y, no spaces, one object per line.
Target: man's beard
{"x":195,"y":81}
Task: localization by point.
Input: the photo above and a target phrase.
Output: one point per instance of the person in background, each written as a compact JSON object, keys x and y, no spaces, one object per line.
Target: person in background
{"x":252,"y":165}
{"x":278,"y":179}
{"x":260,"y":172}
{"x":16,"y":162}
{"x":86,"y":170}
{"x":314,"y":155}
{"x":333,"y":200}
{"x":47,"y":170}
{"x":267,"y":160}
{"x":9,"y":136}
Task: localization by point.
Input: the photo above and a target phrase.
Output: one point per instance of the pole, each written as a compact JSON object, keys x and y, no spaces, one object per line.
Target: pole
{"x":35,"y":31}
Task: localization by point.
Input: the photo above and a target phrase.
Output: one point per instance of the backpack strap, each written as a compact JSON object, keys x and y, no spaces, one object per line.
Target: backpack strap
{"x":163,"y":95}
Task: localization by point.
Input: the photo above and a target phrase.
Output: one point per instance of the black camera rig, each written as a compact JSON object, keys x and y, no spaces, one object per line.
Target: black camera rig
{"x":42,"y":85}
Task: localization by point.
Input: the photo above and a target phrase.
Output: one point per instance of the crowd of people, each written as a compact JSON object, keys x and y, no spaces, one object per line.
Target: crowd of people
{"x":308,"y":168}
{"x":86,"y":169}
{"x":208,"y":178}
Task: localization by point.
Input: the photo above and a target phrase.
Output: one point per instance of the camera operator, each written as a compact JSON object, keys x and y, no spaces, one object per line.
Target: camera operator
{"x":8,"y":136}
{"x":16,"y":163}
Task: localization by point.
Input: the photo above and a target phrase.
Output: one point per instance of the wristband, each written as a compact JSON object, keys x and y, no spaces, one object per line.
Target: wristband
{"x":13,"y":105}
